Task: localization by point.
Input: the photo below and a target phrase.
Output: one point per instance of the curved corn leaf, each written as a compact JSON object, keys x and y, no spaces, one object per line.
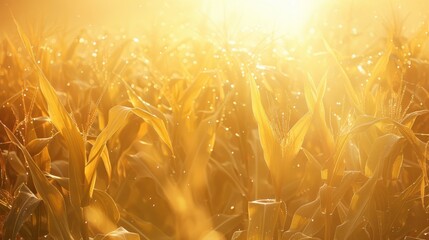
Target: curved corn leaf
{"x":266,"y":132}
{"x":118,"y":234}
{"x":351,"y":93}
{"x":64,"y":124}
{"x":102,"y":213}
{"x":270,"y":144}
{"x":196,"y":161}
{"x":138,"y":102}
{"x":301,"y":236}
{"x":381,"y":150}
{"x":118,"y":117}
{"x":22,"y":207}
{"x":116,"y":55}
{"x":278,"y":153}
{"x":379,"y":68}
{"x":16,"y":163}
{"x":36,"y":145}
{"x":52,"y":198}
{"x":146,"y":230}
{"x":336,"y":170}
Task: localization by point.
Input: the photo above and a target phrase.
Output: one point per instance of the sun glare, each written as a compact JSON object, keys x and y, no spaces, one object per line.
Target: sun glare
{"x":286,"y":17}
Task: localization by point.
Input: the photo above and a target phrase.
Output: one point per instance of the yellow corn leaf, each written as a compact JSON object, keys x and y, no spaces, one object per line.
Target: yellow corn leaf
{"x":198,"y":158}
{"x":36,"y":145}
{"x":52,"y":198}
{"x":118,"y":117}
{"x":380,"y":152}
{"x":295,"y":137}
{"x":138,"y":102}
{"x":191,"y":93}
{"x":270,"y":144}
{"x":118,"y":234}
{"x":417,"y":42}
{"x":23,"y":206}
{"x":266,"y":133}
{"x":65,"y":125}
{"x":351,"y":93}
{"x":379,"y":68}
{"x":336,"y":169}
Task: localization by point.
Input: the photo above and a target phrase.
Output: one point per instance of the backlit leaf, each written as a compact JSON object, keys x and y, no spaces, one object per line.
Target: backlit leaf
{"x":52,"y":198}
{"x":65,"y":125}
{"x":22,"y":207}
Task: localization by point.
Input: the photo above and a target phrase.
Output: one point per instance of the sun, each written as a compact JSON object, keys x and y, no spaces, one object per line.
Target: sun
{"x":287,"y":17}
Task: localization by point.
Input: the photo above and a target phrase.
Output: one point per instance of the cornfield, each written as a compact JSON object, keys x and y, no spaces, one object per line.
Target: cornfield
{"x":207,"y":120}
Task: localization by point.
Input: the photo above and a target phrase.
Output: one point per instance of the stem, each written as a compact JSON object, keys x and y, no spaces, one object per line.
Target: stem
{"x":327,"y":226}
{"x":84,"y":225}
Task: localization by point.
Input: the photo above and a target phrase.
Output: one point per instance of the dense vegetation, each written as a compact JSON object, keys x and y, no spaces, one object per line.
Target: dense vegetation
{"x":169,"y":135}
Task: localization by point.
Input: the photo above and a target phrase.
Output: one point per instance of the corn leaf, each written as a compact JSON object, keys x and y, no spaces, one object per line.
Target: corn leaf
{"x":22,"y":207}
{"x":102,"y":213}
{"x":270,"y":144}
{"x":36,"y":145}
{"x":118,"y":234}
{"x":382,"y":148}
{"x":52,"y":198}
{"x":351,"y":93}
{"x":379,"y":68}
{"x":118,"y":117}
{"x":65,"y":125}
